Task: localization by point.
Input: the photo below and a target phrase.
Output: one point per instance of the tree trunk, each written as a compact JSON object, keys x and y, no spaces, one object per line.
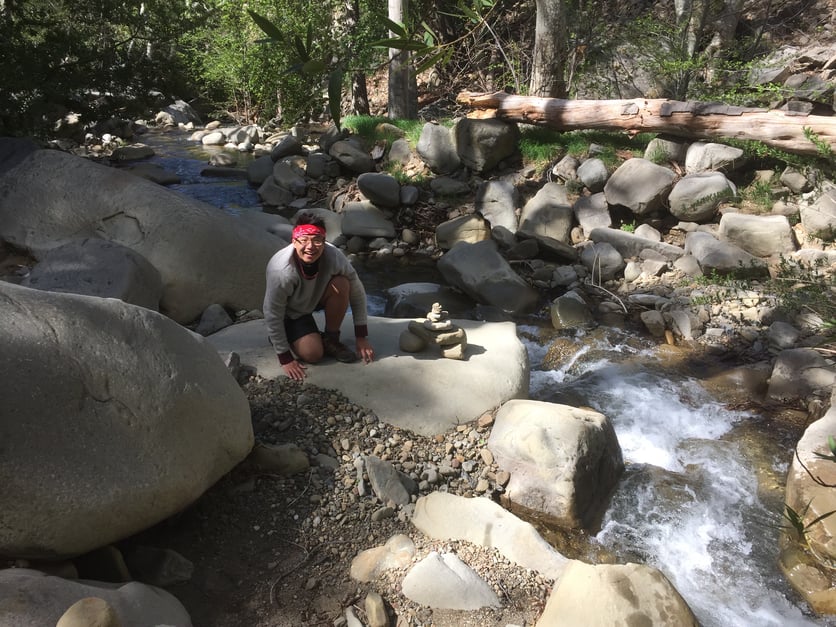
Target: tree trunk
{"x":692,"y":120}
{"x":359,"y":92}
{"x":403,"y":88}
{"x":549,"y":63}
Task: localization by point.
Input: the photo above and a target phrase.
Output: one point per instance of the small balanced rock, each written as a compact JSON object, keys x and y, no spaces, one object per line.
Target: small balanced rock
{"x":436,"y":329}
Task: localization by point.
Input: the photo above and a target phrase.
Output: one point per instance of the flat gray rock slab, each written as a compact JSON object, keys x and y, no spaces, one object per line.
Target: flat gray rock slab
{"x":422,"y":392}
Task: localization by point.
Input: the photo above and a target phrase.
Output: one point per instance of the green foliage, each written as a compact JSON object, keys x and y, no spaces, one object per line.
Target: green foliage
{"x":822,"y":146}
{"x":629,"y":227}
{"x":803,"y":287}
{"x":94,"y":58}
{"x":796,"y":525}
{"x":375,"y":129}
{"x":759,"y":195}
{"x":540,"y":145}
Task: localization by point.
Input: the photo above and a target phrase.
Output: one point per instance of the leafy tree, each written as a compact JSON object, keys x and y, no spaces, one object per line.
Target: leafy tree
{"x":89,"y":57}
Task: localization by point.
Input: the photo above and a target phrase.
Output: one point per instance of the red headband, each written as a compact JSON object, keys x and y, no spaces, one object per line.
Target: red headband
{"x":308,"y":229}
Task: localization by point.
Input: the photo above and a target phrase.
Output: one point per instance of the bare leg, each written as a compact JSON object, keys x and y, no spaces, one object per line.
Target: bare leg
{"x":335,"y":302}
{"x":308,"y":348}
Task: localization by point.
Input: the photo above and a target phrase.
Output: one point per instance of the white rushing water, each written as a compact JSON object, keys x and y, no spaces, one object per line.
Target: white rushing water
{"x":688,"y":503}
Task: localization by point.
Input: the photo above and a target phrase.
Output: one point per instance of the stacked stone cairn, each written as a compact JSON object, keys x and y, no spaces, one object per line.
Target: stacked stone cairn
{"x":437,"y":328}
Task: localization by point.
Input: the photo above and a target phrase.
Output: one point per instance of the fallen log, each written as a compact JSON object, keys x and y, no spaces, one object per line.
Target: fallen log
{"x":792,"y":132}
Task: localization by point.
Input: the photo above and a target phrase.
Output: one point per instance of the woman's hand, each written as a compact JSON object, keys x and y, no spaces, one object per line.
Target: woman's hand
{"x":365,"y":350}
{"x":295,"y":370}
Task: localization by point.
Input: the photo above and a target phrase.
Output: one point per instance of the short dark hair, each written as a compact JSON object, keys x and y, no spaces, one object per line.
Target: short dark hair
{"x":307,"y":217}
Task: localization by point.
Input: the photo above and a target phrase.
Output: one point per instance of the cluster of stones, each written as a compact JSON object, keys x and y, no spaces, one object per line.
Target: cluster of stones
{"x":436,"y":329}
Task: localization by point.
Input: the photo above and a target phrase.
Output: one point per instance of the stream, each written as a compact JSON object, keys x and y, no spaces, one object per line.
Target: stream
{"x":702,"y":493}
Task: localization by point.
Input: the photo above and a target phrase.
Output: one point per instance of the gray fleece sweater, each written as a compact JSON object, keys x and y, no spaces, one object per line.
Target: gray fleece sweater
{"x":290,"y":295}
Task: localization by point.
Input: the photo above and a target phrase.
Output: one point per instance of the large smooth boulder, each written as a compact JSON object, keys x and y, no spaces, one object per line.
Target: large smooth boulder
{"x":761,"y":236}
{"x":819,"y":218}
{"x":423,"y":393}
{"x":437,"y":149}
{"x":695,"y":197}
{"x":113,"y":418}
{"x":482,"y":273}
{"x":365,"y":220}
{"x":604,"y":595}
{"x":483,"y":522}
{"x":482,"y":144}
{"x":497,"y":201}
{"x":203,"y":255}
{"x":809,"y":490}
{"x":564,"y":461}
{"x":632,"y":245}
{"x":30,"y":598}
{"x":548,"y":214}
{"x":603,"y":261}
{"x":96,"y":267}
{"x":705,"y":156}
{"x":722,"y":257}
{"x":470,"y":228}
{"x":639,"y":185}
{"x":415,"y":300}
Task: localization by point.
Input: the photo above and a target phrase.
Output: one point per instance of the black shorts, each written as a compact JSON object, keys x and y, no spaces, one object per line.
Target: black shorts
{"x":295,"y":328}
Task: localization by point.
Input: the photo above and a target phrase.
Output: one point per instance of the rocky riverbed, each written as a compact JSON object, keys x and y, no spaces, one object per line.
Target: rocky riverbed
{"x":273,"y":542}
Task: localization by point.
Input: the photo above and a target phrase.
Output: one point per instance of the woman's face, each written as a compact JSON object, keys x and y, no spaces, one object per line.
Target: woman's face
{"x":309,"y":248}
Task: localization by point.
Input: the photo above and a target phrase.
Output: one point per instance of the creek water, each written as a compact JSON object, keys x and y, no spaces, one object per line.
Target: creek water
{"x":702,"y":492}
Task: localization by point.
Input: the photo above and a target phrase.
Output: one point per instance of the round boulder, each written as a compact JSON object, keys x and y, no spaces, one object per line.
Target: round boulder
{"x":113,"y":418}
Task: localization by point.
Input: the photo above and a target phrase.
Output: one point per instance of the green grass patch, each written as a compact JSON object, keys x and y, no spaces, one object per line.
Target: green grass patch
{"x":374,"y":129}
{"x":542,"y":146}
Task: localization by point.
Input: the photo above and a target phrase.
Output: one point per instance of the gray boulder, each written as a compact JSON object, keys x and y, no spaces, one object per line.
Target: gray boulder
{"x":570,"y":312}
{"x":631,"y":245}
{"x":272,"y":194}
{"x":548,"y":214}
{"x":365,"y":220}
{"x":705,"y":156}
{"x":482,"y":144}
{"x":180,"y":112}
{"x":800,"y":373}
{"x":35,"y":599}
{"x":90,"y":456}
{"x":494,"y":370}
{"x":483,"y":522}
{"x":593,"y":174}
{"x":380,"y":188}
{"x":437,"y":149}
{"x":695,"y":197}
{"x":722,"y":257}
{"x":415,"y":300}
{"x":819,"y":218}
{"x":442,"y":580}
{"x":352,"y":157}
{"x":288,"y":177}
{"x":564,"y":461}
{"x":639,"y":185}
{"x":497,"y":202}
{"x":762,"y":236}
{"x":602,"y":260}
{"x":447,"y":186}
{"x":96,"y":267}
{"x":482,"y":273}
{"x":592,"y":212}
{"x":194,"y":246}
{"x":471,"y":229}
{"x":666,"y":149}
{"x":286,"y":146}
{"x":400,"y":152}
{"x":259,"y":170}
{"x":615,"y":594}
